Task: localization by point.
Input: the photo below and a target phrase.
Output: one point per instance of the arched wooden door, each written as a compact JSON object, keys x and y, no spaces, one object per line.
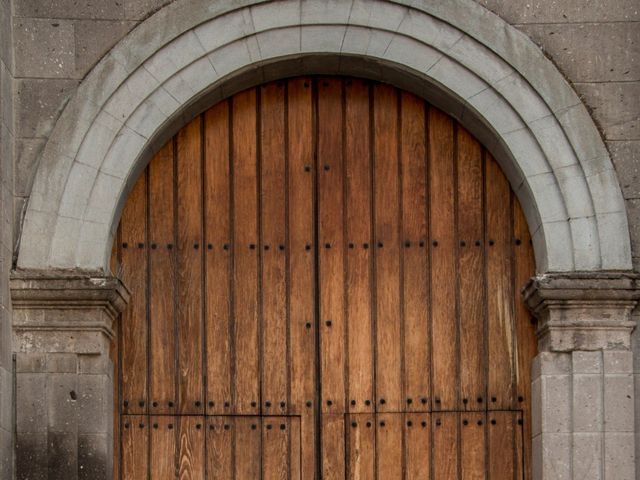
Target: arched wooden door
{"x":324,"y":276}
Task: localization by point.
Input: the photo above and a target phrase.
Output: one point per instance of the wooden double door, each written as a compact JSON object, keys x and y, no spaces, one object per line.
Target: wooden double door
{"x":325,"y":281}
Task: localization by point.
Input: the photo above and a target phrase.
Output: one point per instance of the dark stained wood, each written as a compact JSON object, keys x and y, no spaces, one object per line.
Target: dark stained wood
{"x":274,"y":288}
{"x":387,"y":252}
{"x":134,"y":351}
{"x":444,"y":329}
{"x":163,"y":453}
{"x":218,"y":257}
{"x":323,"y":254}
{"x":415,"y":254}
{"x":330,"y":249}
{"x":246,"y":246}
{"x":471,"y":271}
{"x":500,"y":298}
{"x":135,"y":446}
{"x":358,"y":282}
{"x":162,"y":348}
{"x":189,"y":267}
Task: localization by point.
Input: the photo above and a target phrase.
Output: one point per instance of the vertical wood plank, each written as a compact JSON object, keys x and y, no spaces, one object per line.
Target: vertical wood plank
{"x":134,"y":318}
{"x":470,"y":271}
{"x":387,"y":261}
{"x":415,"y":254}
{"x":295,"y":449}
{"x":189,"y":267}
{"x":501,"y":445}
{"x":331,"y":237}
{"x":163,"y":447}
{"x":443,"y":265}
{"x":246,"y":243}
{"x":248,"y":447}
{"x":389,"y":446}
{"x":219,"y":449}
{"x":361,"y":446}
{"x":499,"y":288}
{"x":191,"y":448}
{"x":333,"y":435}
{"x":275,"y":448}
{"x":162,"y":389}
{"x":473,"y":445}
{"x":275,"y":352}
{"x":135,"y":447}
{"x":358,"y":286}
{"x":217,"y":230}
{"x":417,"y":445}
{"x":302,"y":265}
{"x":445,"y":445}
{"x":526,"y":345}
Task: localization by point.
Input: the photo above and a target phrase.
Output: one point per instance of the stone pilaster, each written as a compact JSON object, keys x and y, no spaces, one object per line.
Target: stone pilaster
{"x":583,"y":392}
{"x":63,"y":329}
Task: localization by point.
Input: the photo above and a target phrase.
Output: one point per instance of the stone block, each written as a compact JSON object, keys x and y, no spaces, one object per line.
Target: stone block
{"x":556,"y":404}
{"x":62,"y":394}
{"x":105,"y":9}
{"x":27,"y":154}
{"x":32,"y":60}
{"x":591,"y":52}
{"x":618,"y":403}
{"x":587,"y":403}
{"x":525,"y":11}
{"x":587,"y":456}
{"x":62,"y":455}
{"x":614,"y":106}
{"x":94,"y":457}
{"x":31,"y":403}
{"x":551,"y":363}
{"x":31,"y":456}
{"x":633,"y":211}
{"x":6,"y":400}
{"x":551,"y":459}
{"x":6,"y":94}
{"x":618,"y":361}
{"x":95,"y":38}
{"x":6,"y":454}
{"x":62,"y":363}
{"x":139,"y":9}
{"x":94,"y":364}
{"x":619,"y":456}
{"x":38,"y":103}
{"x":93,"y":406}
{"x":625,"y":155}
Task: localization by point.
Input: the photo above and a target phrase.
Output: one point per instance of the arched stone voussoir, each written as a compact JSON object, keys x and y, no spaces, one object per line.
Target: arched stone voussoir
{"x":456,"y":54}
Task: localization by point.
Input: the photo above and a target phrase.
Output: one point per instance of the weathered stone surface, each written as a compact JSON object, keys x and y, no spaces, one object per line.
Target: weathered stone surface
{"x":27,"y":154}
{"x":633,"y":210}
{"x":47,"y":98}
{"x":591,"y":52}
{"x":560,"y":11}
{"x":625,"y":155}
{"x":94,"y":39}
{"x":31,"y":456}
{"x":103,"y":9}
{"x":140,"y":9}
{"x":57,"y":60}
{"x":615,"y":107}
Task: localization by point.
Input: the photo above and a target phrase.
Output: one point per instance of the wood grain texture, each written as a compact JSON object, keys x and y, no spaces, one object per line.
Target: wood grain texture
{"x":218,"y":257}
{"x":220,"y":448}
{"x":135,"y":447}
{"x":248,"y":447}
{"x":473,"y":445}
{"x":417,"y":451}
{"x":361,"y":446}
{"x":445,"y":445}
{"x":164,"y":430}
{"x":333,"y":436}
{"x":502,"y":445}
{"x":189,"y":268}
{"x":191,"y":454}
{"x":389,"y":446}
{"x":276,"y":448}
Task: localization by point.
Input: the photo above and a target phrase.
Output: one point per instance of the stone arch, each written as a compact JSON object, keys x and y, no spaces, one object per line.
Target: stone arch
{"x":456,"y":54}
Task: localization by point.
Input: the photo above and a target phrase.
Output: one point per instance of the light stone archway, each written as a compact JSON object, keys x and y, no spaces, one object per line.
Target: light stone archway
{"x":456,"y":54}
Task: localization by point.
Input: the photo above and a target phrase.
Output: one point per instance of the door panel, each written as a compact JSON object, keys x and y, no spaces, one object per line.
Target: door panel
{"x":323,"y":269}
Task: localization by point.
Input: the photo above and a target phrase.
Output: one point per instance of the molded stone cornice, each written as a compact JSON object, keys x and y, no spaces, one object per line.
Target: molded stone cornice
{"x":583,"y":310}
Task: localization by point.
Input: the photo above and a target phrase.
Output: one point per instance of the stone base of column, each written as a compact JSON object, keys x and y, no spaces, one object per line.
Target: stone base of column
{"x":62,"y":334}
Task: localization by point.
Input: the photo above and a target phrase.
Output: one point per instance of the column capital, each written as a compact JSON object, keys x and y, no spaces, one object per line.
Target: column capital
{"x":78,"y":305}
{"x":583,"y":310}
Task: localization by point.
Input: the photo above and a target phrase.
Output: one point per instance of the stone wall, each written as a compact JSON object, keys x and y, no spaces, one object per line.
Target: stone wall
{"x":47,"y":47}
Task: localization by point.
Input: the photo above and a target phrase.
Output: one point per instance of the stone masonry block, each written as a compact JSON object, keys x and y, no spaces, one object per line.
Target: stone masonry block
{"x":591,"y":52}
{"x":93,"y":404}
{"x":587,"y":403}
{"x":93,"y":457}
{"x":31,"y":398}
{"x":525,"y":11}
{"x":6,"y":400}
{"x":618,"y":361}
{"x":556,"y":404}
{"x":31,"y":456}
{"x":139,"y":9}
{"x":94,"y":38}
{"x":95,"y":364}
{"x":587,"y":456}
{"x":62,"y":363}
{"x":38,"y":103}
{"x":62,"y":402}
{"x":31,"y":362}
{"x":619,"y":456}
{"x":551,"y":363}
{"x":69,"y":9}
{"x":618,"y":403}
{"x":57,"y":60}
{"x":551,"y":459}
{"x":625,"y":155}
{"x":27,"y":154}
{"x":62,"y":455}
{"x":587,"y":362}
{"x":614,"y":106}
{"x":6,"y":454}
{"x":633,"y":211}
